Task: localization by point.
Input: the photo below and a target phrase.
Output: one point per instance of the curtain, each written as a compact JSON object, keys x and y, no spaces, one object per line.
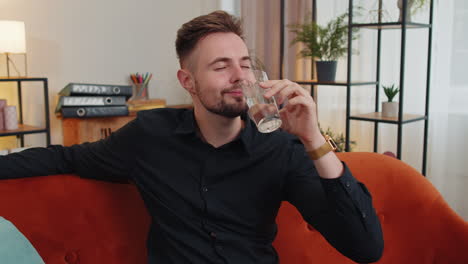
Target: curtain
{"x":448,"y":108}
{"x":262,"y":25}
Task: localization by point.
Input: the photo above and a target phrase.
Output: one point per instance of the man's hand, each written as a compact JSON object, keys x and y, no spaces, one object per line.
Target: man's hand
{"x":299,"y":115}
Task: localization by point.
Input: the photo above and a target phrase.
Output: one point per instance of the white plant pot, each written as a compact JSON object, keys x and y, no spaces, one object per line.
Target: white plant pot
{"x":408,"y":12}
{"x":389,"y":109}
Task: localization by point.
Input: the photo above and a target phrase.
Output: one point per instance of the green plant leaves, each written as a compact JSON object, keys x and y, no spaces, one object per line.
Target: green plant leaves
{"x":326,"y":43}
{"x":340,"y":140}
{"x":391,"y":91}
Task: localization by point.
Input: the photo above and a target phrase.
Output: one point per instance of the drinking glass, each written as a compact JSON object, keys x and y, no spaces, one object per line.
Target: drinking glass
{"x":264,"y":112}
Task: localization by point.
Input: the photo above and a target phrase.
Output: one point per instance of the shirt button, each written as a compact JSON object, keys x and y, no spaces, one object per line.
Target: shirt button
{"x":213,"y":234}
{"x":348,"y":184}
{"x":205,"y":189}
{"x":364,"y":215}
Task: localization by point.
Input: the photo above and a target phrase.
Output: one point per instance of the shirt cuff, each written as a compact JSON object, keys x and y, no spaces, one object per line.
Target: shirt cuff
{"x":346,"y":181}
{"x":346,"y":189}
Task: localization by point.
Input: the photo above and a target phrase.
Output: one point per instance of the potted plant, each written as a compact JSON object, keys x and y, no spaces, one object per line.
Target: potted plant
{"x":324,"y":43}
{"x":390,"y":108}
{"x":339,"y":139}
{"x":413,"y":7}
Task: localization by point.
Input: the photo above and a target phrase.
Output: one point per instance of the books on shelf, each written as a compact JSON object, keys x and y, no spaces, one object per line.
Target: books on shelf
{"x":66,"y":101}
{"x":95,"y":111}
{"x":100,"y":100}
{"x":93,"y":100}
{"x":96,"y":89}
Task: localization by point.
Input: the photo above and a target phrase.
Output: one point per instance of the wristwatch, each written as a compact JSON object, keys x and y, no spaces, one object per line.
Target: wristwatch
{"x":328,"y":146}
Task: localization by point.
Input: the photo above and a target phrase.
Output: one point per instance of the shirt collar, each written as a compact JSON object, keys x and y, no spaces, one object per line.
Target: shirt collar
{"x":188,"y":125}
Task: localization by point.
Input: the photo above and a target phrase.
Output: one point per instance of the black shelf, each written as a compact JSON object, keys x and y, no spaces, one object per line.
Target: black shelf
{"x":22,"y":79}
{"x":342,"y":83}
{"x":377,"y":117}
{"x":313,"y":83}
{"x":24,"y":129}
{"x":391,"y":25}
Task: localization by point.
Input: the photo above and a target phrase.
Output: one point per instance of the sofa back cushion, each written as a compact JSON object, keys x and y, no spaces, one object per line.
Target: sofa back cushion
{"x":73,"y":220}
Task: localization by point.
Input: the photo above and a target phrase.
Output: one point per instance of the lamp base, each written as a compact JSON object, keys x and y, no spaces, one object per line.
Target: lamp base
{"x":9,"y":60}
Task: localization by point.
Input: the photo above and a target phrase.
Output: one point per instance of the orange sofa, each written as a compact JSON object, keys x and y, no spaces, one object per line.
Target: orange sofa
{"x":74,"y":220}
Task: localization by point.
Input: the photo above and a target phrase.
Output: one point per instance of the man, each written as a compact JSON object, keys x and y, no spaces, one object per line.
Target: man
{"x":211,"y":182}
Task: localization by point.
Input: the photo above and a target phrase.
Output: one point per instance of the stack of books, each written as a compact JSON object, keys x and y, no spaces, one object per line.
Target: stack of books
{"x":93,"y":100}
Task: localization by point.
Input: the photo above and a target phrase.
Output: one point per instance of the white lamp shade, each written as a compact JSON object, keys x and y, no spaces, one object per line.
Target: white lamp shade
{"x":12,"y":37}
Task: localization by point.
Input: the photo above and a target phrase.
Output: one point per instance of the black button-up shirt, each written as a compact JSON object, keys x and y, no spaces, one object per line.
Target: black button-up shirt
{"x":215,"y":205}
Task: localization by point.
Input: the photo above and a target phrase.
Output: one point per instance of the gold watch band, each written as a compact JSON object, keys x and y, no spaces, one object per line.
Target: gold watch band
{"x":328,"y":146}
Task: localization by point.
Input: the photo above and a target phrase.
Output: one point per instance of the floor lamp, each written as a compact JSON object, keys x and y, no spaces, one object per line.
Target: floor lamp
{"x":13,"y":41}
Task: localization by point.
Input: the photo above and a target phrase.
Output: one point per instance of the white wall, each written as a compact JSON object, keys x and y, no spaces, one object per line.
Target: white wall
{"x":101,"y":41}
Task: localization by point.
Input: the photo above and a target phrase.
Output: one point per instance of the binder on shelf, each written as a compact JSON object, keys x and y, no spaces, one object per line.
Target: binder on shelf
{"x":66,"y":101}
{"x":95,"y":111}
{"x":96,"y":89}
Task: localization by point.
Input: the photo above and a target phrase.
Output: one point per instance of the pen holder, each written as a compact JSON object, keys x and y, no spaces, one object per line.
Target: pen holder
{"x":140,"y":92}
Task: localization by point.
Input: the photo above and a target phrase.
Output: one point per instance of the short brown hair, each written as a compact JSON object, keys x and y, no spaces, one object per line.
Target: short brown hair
{"x":191,"y":32}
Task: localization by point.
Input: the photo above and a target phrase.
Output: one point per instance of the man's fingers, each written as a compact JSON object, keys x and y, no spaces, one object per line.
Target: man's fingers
{"x":298,"y":101}
{"x":268,"y":83}
{"x":274,"y":87}
{"x":284,"y":94}
{"x":284,"y":90}
{"x":285,"y":124}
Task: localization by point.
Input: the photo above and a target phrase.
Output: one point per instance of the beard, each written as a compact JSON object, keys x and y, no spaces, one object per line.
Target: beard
{"x":223,"y":108}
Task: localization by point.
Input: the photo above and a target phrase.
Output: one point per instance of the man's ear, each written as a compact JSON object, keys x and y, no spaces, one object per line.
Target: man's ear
{"x":186,"y":80}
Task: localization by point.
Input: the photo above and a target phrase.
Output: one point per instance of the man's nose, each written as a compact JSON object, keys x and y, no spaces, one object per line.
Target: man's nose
{"x":239,"y":74}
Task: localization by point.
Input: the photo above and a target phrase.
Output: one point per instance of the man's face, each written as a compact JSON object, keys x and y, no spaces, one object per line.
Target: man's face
{"x":220,"y":62}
